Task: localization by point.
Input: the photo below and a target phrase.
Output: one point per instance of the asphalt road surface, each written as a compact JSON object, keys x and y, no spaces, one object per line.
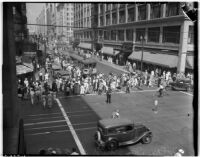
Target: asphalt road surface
{"x":172,"y":126}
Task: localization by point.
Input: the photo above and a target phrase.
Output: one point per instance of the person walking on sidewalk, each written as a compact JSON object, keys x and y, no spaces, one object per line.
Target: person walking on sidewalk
{"x":32,"y":95}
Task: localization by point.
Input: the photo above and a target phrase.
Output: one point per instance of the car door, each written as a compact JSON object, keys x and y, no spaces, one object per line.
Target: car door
{"x":125,"y":133}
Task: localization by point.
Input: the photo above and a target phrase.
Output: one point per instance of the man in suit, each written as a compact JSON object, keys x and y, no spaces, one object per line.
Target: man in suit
{"x":108,"y":94}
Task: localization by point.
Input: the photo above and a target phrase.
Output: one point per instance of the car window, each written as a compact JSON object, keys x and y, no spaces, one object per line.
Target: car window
{"x":112,"y":131}
{"x":129,"y":128}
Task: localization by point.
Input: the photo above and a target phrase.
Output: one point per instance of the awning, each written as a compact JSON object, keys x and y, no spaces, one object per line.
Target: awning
{"x":29,"y":65}
{"x":190,"y":62}
{"x":85,"y":46}
{"x":22,"y":69}
{"x":110,"y":51}
{"x":166,"y":60}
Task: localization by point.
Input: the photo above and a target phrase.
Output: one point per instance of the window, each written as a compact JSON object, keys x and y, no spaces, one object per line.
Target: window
{"x":131,"y":5}
{"x":122,"y":5}
{"x":114,"y":6}
{"x":171,"y":34}
{"x":121,"y":35}
{"x":113,"y":35}
{"x":100,"y":33}
{"x":172,"y":9}
{"x":129,"y":35}
{"x":122,"y":16}
{"x":108,"y":19}
{"x":155,"y":10}
{"x":106,"y":35}
{"x":142,"y":12}
{"x":129,"y":128}
{"x":101,"y":21}
{"x":131,"y":14}
{"x":191,"y":35}
{"x":153,"y":34}
{"x":140,"y":32}
{"x":101,"y":9}
{"x":108,"y":7}
{"x":114,"y":18}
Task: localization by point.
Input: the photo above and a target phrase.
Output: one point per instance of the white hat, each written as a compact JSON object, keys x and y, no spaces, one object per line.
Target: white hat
{"x":181,"y":151}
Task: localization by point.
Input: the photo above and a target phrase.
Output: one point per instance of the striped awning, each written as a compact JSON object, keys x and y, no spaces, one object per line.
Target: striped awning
{"x":110,"y":51}
{"x":190,"y":62}
{"x":166,"y":60}
{"x":85,"y":46}
{"x":22,"y":69}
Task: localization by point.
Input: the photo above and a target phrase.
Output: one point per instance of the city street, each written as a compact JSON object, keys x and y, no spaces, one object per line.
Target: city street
{"x":171,"y":126}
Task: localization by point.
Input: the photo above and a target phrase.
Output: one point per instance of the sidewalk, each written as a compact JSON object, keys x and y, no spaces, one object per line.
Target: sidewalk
{"x":118,"y":67}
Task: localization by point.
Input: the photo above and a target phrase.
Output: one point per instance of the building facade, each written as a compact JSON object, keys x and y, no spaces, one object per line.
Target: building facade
{"x":64,"y":17}
{"x":159,"y":28}
{"x":41,"y":21}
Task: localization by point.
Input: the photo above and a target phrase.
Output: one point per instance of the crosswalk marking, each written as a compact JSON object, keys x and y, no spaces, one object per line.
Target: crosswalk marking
{"x":81,"y":149}
{"x":36,"y":123}
{"x":60,"y":131}
{"x":56,"y":126}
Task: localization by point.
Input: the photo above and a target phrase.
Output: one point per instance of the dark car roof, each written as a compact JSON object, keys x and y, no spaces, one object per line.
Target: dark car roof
{"x":107,"y":123}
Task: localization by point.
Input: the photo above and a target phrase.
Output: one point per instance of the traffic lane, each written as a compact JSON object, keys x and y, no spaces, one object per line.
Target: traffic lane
{"x":85,"y":125}
{"x":61,"y":140}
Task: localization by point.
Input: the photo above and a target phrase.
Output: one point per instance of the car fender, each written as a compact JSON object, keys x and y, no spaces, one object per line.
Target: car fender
{"x":144,"y":134}
{"x":111,"y":138}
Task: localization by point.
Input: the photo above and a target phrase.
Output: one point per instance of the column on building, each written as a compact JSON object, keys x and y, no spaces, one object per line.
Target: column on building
{"x":117,"y":13}
{"x":134,"y":38}
{"x":163,"y":10}
{"x":183,"y":46}
{"x":148,"y":11}
{"x":126,"y":13}
{"x":136,"y":12}
{"x":161,"y":35}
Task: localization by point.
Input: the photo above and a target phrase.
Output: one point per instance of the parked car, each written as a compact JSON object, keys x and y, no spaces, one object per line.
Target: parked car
{"x":112,"y":133}
{"x":183,"y":84}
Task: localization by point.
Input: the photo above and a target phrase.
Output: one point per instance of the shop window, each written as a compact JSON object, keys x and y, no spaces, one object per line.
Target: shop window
{"x":142,"y":12}
{"x":140,"y":32}
{"x":153,"y":34}
{"x":121,"y":35}
{"x":171,"y":34}
{"x":113,"y":35}
{"x":191,"y":35}
{"x":122,"y":5}
{"x":130,"y":5}
{"x":131,"y":14}
{"x":122,"y":16}
{"x":129,"y":35}
{"x":172,"y":9}
{"x":155,"y":10}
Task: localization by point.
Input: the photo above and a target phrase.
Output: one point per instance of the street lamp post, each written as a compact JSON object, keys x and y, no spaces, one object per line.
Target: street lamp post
{"x":142,"y":39}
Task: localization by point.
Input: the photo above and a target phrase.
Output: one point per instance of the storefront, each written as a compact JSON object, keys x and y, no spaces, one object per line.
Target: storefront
{"x":151,"y":60}
{"x":110,"y":54}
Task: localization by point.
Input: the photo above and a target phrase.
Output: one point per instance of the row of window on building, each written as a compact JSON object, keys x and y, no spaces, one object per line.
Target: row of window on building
{"x":172,"y":9}
{"x":170,"y":34}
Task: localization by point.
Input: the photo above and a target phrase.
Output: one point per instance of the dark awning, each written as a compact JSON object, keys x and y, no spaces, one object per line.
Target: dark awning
{"x":166,"y":60}
{"x":109,"y":51}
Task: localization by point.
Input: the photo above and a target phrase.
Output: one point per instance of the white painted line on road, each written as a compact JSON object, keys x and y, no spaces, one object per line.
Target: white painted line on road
{"x":81,"y":149}
{"x":57,"y":126}
{"x":60,"y":131}
{"x":46,"y":118}
{"x":42,"y":114}
{"x":36,"y":123}
{"x":186,"y":93}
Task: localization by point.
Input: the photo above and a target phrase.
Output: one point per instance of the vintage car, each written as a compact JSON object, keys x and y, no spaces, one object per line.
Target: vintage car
{"x":112,"y":133}
{"x":183,"y":84}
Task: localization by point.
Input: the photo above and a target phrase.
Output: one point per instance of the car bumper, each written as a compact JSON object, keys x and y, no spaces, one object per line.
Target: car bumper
{"x":100,"y":144}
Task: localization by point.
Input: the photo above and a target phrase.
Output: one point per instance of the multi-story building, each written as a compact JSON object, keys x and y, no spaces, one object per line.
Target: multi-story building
{"x":41,"y":20}
{"x":65,"y":18}
{"x":84,"y":24}
{"x":161,"y":29}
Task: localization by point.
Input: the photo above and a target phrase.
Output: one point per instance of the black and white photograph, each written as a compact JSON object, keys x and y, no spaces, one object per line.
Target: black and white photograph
{"x":100,"y":78}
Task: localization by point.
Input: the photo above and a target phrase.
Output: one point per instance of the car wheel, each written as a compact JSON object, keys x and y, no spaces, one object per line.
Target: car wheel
{"x":112,"y":145}
{"x":146,"y":139}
